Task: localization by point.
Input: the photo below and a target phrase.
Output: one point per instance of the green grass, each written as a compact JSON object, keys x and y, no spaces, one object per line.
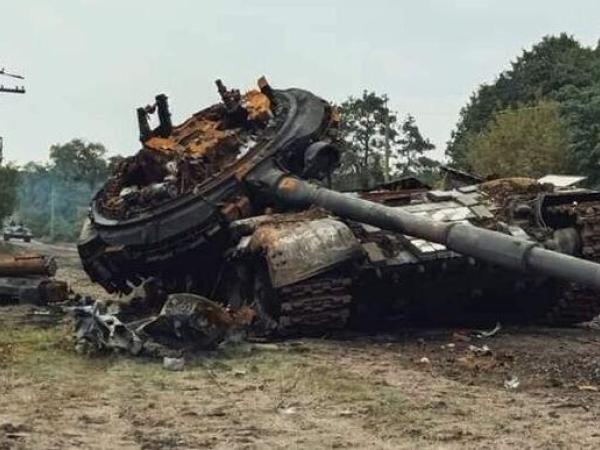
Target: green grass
{"x":46,"y":355}
{"x":306,"y":375}
{"x":8,"y":249}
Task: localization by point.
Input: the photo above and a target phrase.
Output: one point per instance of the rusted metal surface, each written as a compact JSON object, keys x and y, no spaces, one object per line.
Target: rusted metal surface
{"x":172,"y":164}
{"x":194,"y":208}
{"x":391,"y":198}
{"x":295,"y":251}
{"x":579,"y":303}
{"x":185,"y":322}
{"x":14,"y":266}
{"x":28,"y":279}
{"x":314,"y":306}
{"x":35,"y":290}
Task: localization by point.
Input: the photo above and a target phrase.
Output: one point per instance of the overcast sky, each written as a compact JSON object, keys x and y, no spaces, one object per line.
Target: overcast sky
{"x":90,"y":63}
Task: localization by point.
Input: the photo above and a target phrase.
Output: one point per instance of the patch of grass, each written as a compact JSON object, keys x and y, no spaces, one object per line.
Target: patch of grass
{"x":48,"y":354}
{"x":9,"y":249}
{"x":41,"y":353}
{"x":303,"y":375}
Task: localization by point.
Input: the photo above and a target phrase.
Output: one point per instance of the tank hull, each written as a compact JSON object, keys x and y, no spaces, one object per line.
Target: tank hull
{"x":511,"y":249}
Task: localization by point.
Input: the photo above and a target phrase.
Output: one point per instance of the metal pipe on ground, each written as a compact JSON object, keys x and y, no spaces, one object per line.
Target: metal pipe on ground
{"x":15,"y":266}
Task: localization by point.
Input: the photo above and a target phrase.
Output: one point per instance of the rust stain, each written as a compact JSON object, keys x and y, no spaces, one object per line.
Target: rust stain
{"x":288,"y":184}
{"x":504,"y":188}
{"x":203,"y":146}
{"x":335,"y":117}
{"x":258,"y":106}
{"x":205,"y":133}
{"x":222,"y":317}
{"x":268,"y":232}
{"x":27,"y":265}
{"x":238,"y":209}
{"x":195,"y":138}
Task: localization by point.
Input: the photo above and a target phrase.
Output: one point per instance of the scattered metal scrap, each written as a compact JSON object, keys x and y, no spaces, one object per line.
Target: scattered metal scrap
{"x":186,"y":322}
{"x":486,"y":334}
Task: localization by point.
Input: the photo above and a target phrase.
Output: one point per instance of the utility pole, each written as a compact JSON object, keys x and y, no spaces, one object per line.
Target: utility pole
{"x":52,"y":211}
{"x":10,"y":90}
{"x":387,"y":152}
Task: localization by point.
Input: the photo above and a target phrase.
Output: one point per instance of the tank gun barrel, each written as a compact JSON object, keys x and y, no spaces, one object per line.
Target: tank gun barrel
{"x":487,"y":245}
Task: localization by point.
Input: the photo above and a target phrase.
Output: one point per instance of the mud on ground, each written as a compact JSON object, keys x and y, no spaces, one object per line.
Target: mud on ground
{"x":417,"y":389}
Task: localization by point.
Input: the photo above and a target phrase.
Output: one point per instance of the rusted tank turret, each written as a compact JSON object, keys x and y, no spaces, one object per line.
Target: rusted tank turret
{"x":195,"y":208}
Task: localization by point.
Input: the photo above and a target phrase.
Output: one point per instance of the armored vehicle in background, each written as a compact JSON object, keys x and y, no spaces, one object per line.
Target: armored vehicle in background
{"x":231,"y":205}
{"x":14,"y":231}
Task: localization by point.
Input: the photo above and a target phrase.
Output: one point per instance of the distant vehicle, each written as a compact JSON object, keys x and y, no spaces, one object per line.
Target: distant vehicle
{"x":14,"y":231}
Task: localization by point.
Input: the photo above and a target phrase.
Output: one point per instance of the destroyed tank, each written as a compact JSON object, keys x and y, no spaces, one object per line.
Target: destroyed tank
{"x":231,"y":205}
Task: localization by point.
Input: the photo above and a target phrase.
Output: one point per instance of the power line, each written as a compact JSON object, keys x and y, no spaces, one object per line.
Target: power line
{"x":12,"y":75}
{"x":12,"y":89}
{"x":9,"y":90}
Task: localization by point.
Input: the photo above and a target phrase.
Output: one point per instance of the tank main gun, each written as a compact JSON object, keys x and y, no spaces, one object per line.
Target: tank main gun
{"x":497,"y":248}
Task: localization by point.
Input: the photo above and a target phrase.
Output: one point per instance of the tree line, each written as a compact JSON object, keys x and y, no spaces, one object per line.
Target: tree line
{"x":377,"y":145}
{"x":542,"y":115}
{"x":52,"y":198}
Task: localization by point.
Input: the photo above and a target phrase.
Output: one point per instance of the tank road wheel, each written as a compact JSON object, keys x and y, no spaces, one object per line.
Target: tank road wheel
{"x":578,"y":304}
{"x":310,"y":307}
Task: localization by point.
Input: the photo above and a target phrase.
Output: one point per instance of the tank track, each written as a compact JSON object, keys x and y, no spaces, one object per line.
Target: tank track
{"x":314,"y":306}
{"x":579,"y":303}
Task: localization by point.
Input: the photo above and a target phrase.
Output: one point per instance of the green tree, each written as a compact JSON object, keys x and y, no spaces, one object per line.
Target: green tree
{"x":364,"y":123}
{"x":412,"y":147}
{"x":558,"y":68}
{"x":54,"y":197}
{"x":80,"y":161}
{"x":527,"y":141}
{"x":580,"y":111}
{"x":9,"y":180}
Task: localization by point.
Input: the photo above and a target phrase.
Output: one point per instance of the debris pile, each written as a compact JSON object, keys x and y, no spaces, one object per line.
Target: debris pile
{"x":30,"y":279}
{"x":186,"y":322}
{"x":176,"y":159}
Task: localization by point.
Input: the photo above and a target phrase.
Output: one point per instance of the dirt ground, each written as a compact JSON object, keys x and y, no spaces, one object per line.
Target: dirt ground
{"x":417,"y":389}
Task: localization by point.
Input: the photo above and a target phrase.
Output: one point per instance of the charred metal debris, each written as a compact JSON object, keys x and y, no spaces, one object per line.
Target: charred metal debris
{"x":185,"y":323}
{"x":232,"y":205}
{"x":175,"y":159}
{"x":29,"y":279}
